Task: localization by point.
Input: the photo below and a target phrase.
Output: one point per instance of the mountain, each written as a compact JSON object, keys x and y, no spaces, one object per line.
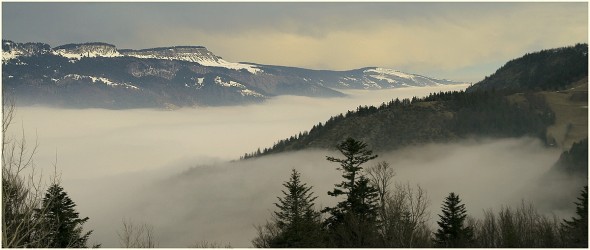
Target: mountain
{"x":12,"y":50}
{"x":560,"y":77}
{"x":364,"y":78}
{"x":550,"y":69}
{"x":438,"y":118}
{"x":77,"y":51}
{"x":100,"y":75}
{"x":555,"y":117}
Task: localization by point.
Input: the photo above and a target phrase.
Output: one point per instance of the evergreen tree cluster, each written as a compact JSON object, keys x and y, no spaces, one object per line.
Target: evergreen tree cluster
{"x":575,"y":160}
{"x":369,"y":216}
{"x":576,"y":229}
{"x":54,"y":223}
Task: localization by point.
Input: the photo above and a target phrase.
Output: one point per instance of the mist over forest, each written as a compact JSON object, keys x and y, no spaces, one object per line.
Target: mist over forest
{"x":295,"y":125}
{"x":174,"y":169}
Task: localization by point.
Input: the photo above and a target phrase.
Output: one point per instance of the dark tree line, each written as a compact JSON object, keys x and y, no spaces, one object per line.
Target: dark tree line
{"x":371,"y":214}
{"x":439,"y":117}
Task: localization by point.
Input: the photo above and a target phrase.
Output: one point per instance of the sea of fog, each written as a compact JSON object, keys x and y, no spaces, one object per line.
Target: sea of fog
{"x":174,"y":169}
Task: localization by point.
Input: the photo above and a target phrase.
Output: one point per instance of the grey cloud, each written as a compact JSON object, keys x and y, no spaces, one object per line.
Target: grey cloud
{"x":118,"y":22}
{"x":463,"y":41}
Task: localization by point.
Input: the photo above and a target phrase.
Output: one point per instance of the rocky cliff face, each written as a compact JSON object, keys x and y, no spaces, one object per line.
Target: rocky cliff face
{"x":77,"y":51}
{"x":183,"y":53}
{"x":12,"y":50}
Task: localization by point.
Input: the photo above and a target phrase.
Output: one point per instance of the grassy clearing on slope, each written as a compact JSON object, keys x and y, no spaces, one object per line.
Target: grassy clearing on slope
{"x":571,"y":113}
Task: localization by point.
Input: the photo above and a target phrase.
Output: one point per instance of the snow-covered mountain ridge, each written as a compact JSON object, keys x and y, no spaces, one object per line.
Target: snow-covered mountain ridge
{"x":196,"y":54}
{"x":171,"y":76}
{"x":404,"y":79}
{"x":12,"y":50}
{"x":77,"y":51}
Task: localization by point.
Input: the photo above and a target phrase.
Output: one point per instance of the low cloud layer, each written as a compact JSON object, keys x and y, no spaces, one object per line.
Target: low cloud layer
{"x":172,"y":169}
{"x":119,"y":141}
{"x":222,"y":202}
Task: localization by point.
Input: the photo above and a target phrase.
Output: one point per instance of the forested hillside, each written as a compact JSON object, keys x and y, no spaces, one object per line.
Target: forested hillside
{"x":575,"y":160}
{"x":515,"y":101}
{"x":440,"y":117}
{"x":551,"y":69}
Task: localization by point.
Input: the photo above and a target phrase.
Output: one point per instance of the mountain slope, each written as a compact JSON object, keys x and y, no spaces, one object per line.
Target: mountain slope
{"x":571,"y":114}
{"x":440,"y":117}
{"x":365,"y":78}
{"x":551,"y":69}
{"x":450,"y":116}
{"x":100,"y":75}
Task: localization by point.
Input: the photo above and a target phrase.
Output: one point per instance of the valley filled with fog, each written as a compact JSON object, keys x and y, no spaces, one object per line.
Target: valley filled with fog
{"x":175,"y":171}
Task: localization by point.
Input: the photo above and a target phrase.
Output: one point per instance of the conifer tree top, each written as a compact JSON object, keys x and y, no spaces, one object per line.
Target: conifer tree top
{"x":452,"y":232}
{"x":65,"y":222}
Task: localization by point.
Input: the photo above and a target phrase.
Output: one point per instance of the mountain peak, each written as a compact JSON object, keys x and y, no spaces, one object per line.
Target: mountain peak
{"x":12,"y":50}
{"x":197,"y":54}
{"x":92,"y":49}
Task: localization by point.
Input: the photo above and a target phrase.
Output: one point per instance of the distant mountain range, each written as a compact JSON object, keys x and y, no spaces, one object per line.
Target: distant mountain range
{"x":102,"y":76}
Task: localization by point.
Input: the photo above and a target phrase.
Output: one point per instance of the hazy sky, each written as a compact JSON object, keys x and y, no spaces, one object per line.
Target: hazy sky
{"x":461,"y":41}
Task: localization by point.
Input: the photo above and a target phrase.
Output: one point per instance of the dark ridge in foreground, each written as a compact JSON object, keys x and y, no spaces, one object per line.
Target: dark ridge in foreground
{"x":440,"y":117}
{"x":551,"y":69}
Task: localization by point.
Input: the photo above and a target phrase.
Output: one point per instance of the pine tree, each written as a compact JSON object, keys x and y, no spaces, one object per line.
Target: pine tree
{"x":296,"y":219}
{"x":64,"y":222}
{"x":576,"y":230}
{"x":354,"y":219}
{"x":452,"y":231}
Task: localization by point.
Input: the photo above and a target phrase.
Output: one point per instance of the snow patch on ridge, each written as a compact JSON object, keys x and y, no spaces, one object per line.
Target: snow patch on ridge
{"x":385,"y":74}
{"x":233,"y":84}
{"x":77,"y":51}
{"x":229,"y":84}
{"x":247,"y":92}
{"x":104,"y":80}
{"x":9,"y":55}
{"x":194,"y":54}
{"x":225,"y":64}
{"x":396,"y":77}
